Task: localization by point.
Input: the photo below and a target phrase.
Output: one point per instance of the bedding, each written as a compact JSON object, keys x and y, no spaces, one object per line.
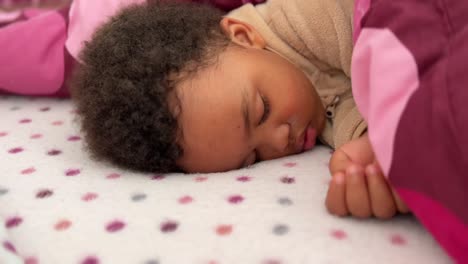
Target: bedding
{"x":410,"y":84}
{"x":59,"y":206}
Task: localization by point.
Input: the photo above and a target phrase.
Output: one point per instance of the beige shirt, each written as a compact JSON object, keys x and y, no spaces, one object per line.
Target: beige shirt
{"x":315,"y":35}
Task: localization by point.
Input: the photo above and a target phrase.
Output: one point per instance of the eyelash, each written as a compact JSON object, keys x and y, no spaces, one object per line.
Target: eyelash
{"x":266,"y":111}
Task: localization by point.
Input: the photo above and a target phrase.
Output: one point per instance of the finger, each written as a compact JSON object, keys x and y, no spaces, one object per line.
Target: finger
{"x":357,"y":197}
{"x":339,"y":161}
{"x":401,"y":206}
{"x":380,"y":194}
{"x":335,"y":201}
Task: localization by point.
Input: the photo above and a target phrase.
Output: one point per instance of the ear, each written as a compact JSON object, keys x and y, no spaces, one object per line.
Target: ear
{"x":242,"y":33}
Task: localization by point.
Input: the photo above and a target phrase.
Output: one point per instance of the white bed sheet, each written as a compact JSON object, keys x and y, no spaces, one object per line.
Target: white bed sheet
{"x":58,"y":206}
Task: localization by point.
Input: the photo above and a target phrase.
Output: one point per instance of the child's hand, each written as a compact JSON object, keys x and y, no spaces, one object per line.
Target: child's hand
{"x":358,"y":186}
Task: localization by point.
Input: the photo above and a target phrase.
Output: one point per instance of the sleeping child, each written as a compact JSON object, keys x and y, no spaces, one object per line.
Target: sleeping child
{"x":174,"y":86}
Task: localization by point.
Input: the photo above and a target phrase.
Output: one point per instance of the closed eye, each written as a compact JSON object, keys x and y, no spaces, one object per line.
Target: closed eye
{"x":266,"y":110}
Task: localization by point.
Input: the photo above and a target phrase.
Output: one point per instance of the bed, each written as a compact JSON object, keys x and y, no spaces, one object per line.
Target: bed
{"x":59,"y":206}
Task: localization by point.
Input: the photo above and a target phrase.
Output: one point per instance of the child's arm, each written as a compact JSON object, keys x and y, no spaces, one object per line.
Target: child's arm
{"x":358,"y":186}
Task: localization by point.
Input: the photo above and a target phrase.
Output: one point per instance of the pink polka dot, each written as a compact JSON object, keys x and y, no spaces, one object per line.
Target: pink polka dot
{"x":87,"y":197}
{"x":158,"y":177}
{"x":2,"y":134}
{"x":9,"y":246}
{"x":235,"y":199}
{"x":31,"y":260}
{"x":74,"y":138}
{"x":63,"y":224}
{"x":244,"y":178}
{"x":185,"y":199}
{"x":41,"y":194}
{"x":201,"y":178}
{"x":44,"y":109}
{"x":54,"y":152}
{"x":169,"y":226}
{"x":213,"y":262}
{"x":57,"y":123}
{"x":36,"y":136}
{"x":338,"y":234}
{"x":90,"y":260}
{"x":72,"y":172}
{"x":288,"y":180}
{"x":13,"y":222}
{"x":113,"y":176}
{"x":224,"y":230}
{"x":25,"y":121}
{"x":28,"y":170}
{"x":15,"y":150}
{"x":290,"y":164}
{"x":398,"y":240}
{"x":115,"y":226}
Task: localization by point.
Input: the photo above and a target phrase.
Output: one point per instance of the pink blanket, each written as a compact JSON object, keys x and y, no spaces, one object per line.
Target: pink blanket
{"x":40,"y":47}
{"x":410,"y":83}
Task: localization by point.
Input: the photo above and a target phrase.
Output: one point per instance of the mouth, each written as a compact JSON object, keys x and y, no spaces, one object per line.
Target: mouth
{"x":307,"y":139}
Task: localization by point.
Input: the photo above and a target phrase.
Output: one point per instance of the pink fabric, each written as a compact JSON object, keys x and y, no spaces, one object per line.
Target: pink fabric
{"x":440,"y":222}
{"x":377,"y":53}
{"x":85,"y":16}
{"x":40,"y":41}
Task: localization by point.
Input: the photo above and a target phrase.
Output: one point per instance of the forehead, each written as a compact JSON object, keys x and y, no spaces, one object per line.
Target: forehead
{"x":211,"y":121}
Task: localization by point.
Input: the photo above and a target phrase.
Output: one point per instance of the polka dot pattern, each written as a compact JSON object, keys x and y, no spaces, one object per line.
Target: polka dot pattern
{"x":52,"y":195}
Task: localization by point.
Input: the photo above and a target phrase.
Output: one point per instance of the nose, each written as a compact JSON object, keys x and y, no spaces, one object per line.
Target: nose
{"x":273,"y":143}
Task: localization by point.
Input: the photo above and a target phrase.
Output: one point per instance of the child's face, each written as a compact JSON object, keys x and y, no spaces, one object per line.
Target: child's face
{"x":252,"y":105}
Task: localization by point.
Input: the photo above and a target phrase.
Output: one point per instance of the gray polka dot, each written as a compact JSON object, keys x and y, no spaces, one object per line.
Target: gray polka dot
{"x":152,"y":261}
{"x":285,"y":201}
{"x":138,"y":197}
{"x":3,"y":191}
{"x":280,"y":229}
{"x":14,"y":108}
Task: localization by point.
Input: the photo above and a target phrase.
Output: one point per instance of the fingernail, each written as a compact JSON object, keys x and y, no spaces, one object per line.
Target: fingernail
{"x":339,"y":178}
{"x":353,"y":170}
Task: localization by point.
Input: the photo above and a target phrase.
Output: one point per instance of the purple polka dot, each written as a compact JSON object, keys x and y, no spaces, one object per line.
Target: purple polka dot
{"x":288,"y":180}
{"x":169,"y":226}
{"x":44,"y":193}
{"x":13,"y":222}
{"x":90,"y":260}
{"x":36,"y":136}
{"x":271,"y":261}
{"x":235,"y":199}
{"x":28,"y":170}
{"x":158,"y":177}
{"x":44,"y":109}
{"x":115,"y":226}
{"x":9,"y":246}
{"x":25,"y":121}
{"x":15,"y":150}
{"x":89,"y":196}
{"x":54,"y":152}
{"x":244,"y":178}
{"x":74,"y":138}
{"x":72,"y":172}
{"x":3,"y":133}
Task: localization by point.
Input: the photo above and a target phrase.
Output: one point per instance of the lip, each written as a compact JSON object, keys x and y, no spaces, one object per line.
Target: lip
{"x":306,"y":139}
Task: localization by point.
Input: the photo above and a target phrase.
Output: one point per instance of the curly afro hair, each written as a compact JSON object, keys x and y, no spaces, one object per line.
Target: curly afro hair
{"x":128,"y":71}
